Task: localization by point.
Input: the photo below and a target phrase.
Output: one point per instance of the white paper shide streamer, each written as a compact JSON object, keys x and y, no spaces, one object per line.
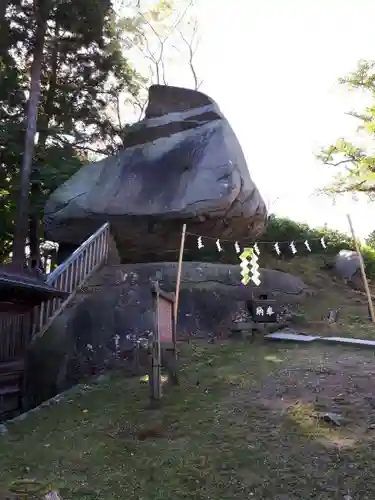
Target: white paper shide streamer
{"x":256,"y":251}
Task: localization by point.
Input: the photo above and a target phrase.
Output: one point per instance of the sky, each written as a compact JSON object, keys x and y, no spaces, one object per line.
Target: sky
{"x":273,"y":66}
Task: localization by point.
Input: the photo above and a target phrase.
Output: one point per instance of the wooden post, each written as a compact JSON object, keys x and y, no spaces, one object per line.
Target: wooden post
{"x":363,"y":271}
{"x":174,"y":328}
{"x":178,"y":282}
{"x":155,"y":371}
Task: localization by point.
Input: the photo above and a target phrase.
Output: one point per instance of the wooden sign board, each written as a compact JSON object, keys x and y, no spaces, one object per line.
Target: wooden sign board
{"x":165,"y":320}
{"x":164,"y":312}
{"x":163,"y":336}
{"x":263,"y":311}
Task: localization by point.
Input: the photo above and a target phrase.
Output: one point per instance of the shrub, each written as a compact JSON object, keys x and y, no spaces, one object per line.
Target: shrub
{"x":369,"y":259}
{"x":284,"y":230}
{"x":370,"y":240}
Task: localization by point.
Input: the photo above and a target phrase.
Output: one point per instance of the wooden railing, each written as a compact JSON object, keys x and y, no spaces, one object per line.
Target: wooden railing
{"x":17,"y":330}
{"x":71,"y":275}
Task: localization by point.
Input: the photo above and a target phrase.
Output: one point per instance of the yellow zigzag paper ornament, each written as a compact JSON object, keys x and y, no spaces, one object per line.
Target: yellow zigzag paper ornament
{"x":249,"y":258}
{"x":245,"y":255}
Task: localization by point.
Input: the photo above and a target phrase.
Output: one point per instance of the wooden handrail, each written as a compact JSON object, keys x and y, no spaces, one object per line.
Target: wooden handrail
{"x":54,"y":274}
{"x":71,"y":275}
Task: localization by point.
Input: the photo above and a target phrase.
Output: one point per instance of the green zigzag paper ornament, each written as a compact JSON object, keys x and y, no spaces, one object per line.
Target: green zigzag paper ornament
{"x":245,"y":271}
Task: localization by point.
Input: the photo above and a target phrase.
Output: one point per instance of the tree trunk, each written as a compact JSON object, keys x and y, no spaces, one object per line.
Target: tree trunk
{"x":41,"y":9}
{"x":4,"y":32}
{"x":43,"y":124}
{"x":3,"y":8}
{"x":34,"y":241}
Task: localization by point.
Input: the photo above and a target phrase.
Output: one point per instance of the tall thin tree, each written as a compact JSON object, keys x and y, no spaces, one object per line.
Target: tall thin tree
{"x":41,"y":10}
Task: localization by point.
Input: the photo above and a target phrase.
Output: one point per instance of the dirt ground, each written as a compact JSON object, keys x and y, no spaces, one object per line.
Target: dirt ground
{"x":338,"y":380}
{"x":244,"y":423}
{"x":286,"y":403}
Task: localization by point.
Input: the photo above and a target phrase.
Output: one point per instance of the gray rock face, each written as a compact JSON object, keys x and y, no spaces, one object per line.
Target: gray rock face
{"x":347,"y":266}
{"x":117,"y":303}
{"x":182,"y":163}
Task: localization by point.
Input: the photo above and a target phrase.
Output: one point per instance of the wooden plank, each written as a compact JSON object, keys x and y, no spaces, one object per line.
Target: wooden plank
{"x":155,"y":361}
{"x":8,"y":390}
{"x":12,"y":366}
{"x":10,"y":378}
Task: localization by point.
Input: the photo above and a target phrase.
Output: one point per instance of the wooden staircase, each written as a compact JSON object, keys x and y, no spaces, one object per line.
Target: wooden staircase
{"x":11,"y":378}
{"x":17,"y":332}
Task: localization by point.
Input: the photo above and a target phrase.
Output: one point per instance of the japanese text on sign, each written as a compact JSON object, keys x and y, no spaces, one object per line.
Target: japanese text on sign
{"x":260,"y":311}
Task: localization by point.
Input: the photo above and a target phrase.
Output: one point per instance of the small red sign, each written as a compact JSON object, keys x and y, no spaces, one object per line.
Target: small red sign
{"x":165,"y":319}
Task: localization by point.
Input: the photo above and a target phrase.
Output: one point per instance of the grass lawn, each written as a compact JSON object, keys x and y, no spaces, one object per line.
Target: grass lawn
{"x":241,"y":425}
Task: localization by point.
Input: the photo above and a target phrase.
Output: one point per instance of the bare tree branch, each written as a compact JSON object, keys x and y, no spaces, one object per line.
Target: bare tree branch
{"x":356,"y":186}
{"x":191,"y":53}
{"x":153,"y":41}
{"x":158,"y":61}
{"x":140,"y":102}
{"x":341,"y":162}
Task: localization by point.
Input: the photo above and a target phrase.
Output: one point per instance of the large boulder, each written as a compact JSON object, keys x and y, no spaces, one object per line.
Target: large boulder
{"x":181,"y":164}
{"x":117,"y":303}
{"x":347,"y":266}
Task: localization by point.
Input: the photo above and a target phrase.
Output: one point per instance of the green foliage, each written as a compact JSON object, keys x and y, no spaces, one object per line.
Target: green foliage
{"x":355,"y":165}
{"x":85,"y":78}
{"x":281,"y":230}
{"x":370,"y":240}
{"x":84,"y":71}
{"x":368,"y":255}
{"x":284,"y":230}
